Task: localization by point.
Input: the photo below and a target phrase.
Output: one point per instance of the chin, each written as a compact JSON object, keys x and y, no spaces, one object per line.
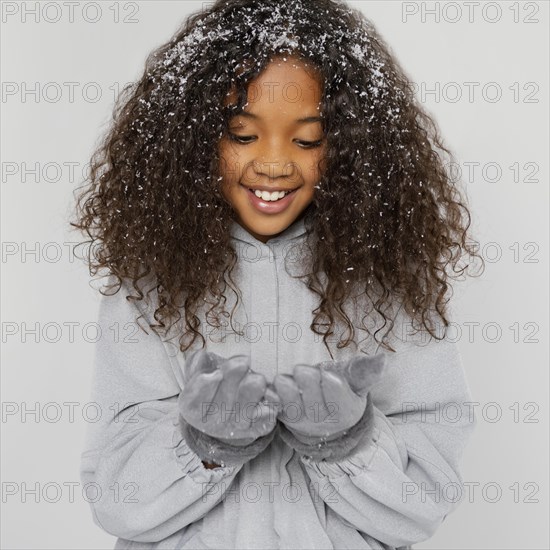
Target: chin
{"x":270,"y":229}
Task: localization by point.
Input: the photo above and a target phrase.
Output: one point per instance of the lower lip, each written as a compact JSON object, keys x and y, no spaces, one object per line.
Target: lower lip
{"x":271,"y":207}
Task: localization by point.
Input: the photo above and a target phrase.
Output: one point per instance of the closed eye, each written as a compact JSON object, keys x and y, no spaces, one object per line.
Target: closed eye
{"x":245,"y":140}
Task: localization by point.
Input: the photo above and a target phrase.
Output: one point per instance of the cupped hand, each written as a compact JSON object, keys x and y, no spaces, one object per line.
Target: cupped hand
{"x":323,"y":401}
{"x":226,"y":399}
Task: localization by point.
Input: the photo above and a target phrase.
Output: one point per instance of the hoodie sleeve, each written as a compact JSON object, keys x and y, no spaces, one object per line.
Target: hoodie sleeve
{"x":403,"y":479}
{"x":141,"y":479}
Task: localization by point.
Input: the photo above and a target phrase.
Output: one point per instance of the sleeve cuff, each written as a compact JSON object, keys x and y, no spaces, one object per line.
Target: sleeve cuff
{"x":338,"y":449}
{"x":211,"y":449}
{"x":190,"y":463}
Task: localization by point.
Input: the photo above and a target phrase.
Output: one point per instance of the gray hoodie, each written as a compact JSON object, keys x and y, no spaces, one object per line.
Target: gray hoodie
{"x":146,"y":487}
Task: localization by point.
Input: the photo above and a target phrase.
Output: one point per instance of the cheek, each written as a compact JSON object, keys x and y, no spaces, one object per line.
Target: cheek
{"x":231,"y":163}
{"x":228,"y":163}
{"x":316,"y":166}
{"x":229,"y":192}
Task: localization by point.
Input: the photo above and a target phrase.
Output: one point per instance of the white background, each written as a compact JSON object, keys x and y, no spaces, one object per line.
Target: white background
{"x":503,"y":47}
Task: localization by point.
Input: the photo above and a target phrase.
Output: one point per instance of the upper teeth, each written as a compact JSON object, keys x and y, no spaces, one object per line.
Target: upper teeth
{"x":266,"y":196}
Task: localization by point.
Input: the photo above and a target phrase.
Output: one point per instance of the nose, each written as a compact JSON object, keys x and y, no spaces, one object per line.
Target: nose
{"x":273,"y":159}
{"x":273,"y":169}
{"x":273,"y":164}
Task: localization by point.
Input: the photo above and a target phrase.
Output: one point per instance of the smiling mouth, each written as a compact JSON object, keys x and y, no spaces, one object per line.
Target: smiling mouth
{"x":271,"y":196}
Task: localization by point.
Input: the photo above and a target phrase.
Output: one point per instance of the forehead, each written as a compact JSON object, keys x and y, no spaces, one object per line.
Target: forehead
{"x":286,"y":83}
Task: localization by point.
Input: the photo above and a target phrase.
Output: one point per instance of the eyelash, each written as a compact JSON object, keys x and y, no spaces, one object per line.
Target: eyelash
{"x":308,"y":144}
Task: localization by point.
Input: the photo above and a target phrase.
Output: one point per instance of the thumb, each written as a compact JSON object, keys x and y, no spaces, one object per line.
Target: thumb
{"x":362,"y":372}
{"x":271,"y":397}
{"x":200,"y":361}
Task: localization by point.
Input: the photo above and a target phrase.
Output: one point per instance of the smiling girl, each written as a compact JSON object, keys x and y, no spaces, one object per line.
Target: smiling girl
{"x":272,"y":200}
{"x":273,"y":148}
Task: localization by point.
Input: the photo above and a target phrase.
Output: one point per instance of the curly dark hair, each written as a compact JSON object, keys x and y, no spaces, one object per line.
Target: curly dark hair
{"x":153,"y":208}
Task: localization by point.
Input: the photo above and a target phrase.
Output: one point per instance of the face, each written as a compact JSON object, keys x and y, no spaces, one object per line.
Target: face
{"x":272,"y":147}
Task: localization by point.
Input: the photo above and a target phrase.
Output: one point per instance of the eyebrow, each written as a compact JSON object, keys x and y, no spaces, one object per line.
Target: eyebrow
{"x":308,"y":119}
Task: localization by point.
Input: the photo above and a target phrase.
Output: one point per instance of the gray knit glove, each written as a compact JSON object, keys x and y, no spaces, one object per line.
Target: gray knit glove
{"x":227,"y":411}
{"x":326,"y":409}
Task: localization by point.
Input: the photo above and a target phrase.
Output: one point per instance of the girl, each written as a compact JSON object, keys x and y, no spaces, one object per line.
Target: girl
{"x":289,"y":378}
